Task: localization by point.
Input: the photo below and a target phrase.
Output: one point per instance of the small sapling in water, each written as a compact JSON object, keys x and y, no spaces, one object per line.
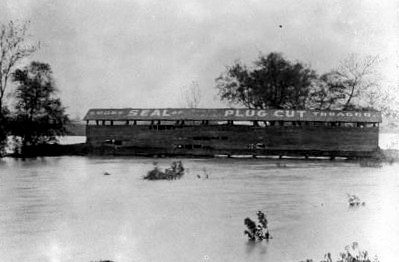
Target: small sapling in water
{"x":176,"y":171}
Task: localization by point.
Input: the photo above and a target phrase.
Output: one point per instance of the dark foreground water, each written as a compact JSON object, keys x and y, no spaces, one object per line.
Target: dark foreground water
{"x":65,"y":209}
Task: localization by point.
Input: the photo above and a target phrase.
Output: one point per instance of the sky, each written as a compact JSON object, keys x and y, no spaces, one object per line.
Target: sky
{"x":139,"y":53}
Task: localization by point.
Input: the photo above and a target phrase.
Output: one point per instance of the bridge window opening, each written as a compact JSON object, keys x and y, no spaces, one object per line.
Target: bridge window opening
{"x":192,"y":123}
{"x":316,"y":123}
{"x":120,"y":123}
{"x":143,"y":123}
{"x":222,"y":123}
{"x":91,"y":123}
{"x":346,"y":124}
{"x":243,"y":123}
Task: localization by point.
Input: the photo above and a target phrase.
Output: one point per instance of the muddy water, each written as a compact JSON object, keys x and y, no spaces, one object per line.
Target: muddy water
{"x":66,"y":209}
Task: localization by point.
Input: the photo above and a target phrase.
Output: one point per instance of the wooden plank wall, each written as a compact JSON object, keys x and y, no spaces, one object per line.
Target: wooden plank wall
{"x":235,"y":139}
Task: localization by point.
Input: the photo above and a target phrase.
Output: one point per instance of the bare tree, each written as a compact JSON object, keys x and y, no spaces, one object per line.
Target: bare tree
{"x":191,"y":95}
{"x":382,"y":100}
{"x":14,"y":46}
{"x":354,"y":78}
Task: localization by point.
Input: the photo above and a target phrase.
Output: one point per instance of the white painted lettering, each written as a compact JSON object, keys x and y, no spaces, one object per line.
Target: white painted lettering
{"x":250,"y":113}
{"x":279,"y":113}
{"x":349,"y":114}
{"x":301,"y":113}
{"x":228,"y":112}
{"x":289,"y":113}
{"x":239,"y":114}
{"x":316,"y":113}
{"x":340,"y":114}
{"x":155,"y":112}
{"x":165,"y":112}
{"x":133,"y":112}
{"x":323,"y":114}
{"x":145,"y":112}
{"x":367,"y":114}
{"x":262,"y":113}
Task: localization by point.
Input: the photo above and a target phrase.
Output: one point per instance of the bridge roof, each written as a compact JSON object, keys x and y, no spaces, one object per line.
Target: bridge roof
{"x":235,"y":114}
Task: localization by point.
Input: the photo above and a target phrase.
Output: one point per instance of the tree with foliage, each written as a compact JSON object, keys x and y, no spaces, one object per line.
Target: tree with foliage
{"x":273,"y":82}
{"x":14,"y":46}
{"x":40,"y":116}
{"x":4,"y":128}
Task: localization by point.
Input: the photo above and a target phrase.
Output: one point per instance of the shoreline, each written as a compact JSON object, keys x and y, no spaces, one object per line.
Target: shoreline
{"x":82,"y":149}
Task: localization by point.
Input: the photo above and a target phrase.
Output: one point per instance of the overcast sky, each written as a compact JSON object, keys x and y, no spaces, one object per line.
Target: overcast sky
{"x":142,"y":53}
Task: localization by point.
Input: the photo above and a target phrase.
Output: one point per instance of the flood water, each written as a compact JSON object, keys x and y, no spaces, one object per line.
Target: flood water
{"x":66,"y":209}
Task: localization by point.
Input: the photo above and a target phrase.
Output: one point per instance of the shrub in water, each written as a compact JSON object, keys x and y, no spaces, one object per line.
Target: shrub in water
{"x":254,"y":231}
{"x":175,"y":171}
{"x":354,"y":200}
{"x":351,"y":254}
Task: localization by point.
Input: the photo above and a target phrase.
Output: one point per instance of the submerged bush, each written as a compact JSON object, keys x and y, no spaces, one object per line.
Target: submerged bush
{"x":354,"y":200}
{"x":351,"y":254}
{"x":254,"y":231}
{"x":176,"y":171}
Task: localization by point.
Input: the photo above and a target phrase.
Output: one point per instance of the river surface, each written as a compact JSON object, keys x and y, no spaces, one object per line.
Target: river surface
{"x":66,"y":209}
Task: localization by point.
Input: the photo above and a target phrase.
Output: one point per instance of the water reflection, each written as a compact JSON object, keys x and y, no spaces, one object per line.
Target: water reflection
{"x":258,"y":247}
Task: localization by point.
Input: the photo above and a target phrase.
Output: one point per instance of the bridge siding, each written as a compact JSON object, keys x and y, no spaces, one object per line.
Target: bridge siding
{"x":316,"y":140}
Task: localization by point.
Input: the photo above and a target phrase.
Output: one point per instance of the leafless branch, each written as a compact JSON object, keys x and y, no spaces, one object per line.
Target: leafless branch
{"x":14,"y":46}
